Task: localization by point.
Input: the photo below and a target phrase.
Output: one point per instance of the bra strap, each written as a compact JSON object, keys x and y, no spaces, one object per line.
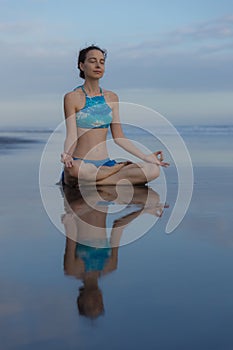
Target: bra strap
{"x":82,"y":87}
{"x":76,"y":88}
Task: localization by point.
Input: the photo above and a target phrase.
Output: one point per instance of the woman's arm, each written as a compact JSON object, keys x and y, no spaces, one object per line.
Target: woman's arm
{"x":71,"y":130}
{"x":121,"y":140}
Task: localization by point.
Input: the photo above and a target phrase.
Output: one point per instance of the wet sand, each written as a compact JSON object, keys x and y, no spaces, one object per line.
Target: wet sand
{"x":160,"y":291}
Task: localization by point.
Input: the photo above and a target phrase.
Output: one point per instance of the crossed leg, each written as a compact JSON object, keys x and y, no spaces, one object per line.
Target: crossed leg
{"x":126,"y":172}
{"x":135,"y":173}
{"x":87,"y":173}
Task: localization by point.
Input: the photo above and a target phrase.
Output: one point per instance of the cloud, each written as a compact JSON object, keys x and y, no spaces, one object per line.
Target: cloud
{"x":219,"y":28}
{"x":32,"y":62}
{"x":194,"y":57}
{"x":190,"y":37}
{"x":31,"y":71}
{"x":13,"y":28}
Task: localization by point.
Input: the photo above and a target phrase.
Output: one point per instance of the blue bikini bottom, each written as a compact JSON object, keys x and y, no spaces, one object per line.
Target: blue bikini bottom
{"x":99,"y":162}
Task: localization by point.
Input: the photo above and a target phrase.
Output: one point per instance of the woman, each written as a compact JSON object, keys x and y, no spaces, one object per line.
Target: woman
{"x":89,"y":111}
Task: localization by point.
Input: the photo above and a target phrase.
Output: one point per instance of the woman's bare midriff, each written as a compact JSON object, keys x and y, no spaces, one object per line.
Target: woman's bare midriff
{"x":91,"y":144}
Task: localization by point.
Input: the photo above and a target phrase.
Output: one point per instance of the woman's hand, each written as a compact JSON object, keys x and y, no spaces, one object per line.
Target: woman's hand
{"x":156,"y":158}
{"x":67,"y":159}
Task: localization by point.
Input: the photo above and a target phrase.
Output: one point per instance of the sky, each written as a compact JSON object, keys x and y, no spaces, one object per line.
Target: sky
{"x":172,"y":56}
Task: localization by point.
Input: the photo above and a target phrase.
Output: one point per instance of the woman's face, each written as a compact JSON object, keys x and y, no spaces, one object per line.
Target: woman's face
{"x":94,"y":64}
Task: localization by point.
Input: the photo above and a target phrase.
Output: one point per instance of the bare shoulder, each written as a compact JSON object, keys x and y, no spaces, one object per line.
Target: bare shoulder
{"x":74,"y":98}
{"x":110,"y":96}
{"x":69,"y":96}
{"x":74,"y":94}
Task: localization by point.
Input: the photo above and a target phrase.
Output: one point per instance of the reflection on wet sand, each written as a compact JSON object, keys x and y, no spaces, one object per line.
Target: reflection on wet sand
{"x":90,"y":252}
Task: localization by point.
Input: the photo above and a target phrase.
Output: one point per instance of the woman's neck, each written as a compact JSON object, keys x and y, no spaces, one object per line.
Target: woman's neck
{"x":92,"y":87}
{"x":90,"y":280}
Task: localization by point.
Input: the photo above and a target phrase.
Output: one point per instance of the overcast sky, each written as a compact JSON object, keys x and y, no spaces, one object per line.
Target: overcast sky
{"x":172,"y":56}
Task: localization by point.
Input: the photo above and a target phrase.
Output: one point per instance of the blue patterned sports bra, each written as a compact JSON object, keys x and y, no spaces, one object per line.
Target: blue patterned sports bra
{"x":96,"y":113}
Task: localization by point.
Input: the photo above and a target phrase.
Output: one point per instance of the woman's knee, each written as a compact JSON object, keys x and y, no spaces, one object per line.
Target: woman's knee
{"x":73,"y":171}
{"x":155,"y":171}
{"x":152,"y":171}
{"x":82,"y":171}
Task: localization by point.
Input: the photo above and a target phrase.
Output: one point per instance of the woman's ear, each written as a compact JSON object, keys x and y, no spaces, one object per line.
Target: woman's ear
{"x":81,"y":66}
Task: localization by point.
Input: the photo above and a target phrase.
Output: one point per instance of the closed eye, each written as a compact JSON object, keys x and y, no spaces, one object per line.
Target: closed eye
{"x":94,"y":60}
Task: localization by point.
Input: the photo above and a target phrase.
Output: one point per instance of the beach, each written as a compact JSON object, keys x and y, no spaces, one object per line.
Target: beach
{"x":159,"y":291}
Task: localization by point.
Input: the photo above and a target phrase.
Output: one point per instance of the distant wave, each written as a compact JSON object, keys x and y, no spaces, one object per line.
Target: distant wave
{"x":206,"y":130}
{"x":10,"y":142}
{"x":33,"y":130}
{"x":192,"y":130}
{"x":13,"y":138}
{"x":182,"y":129}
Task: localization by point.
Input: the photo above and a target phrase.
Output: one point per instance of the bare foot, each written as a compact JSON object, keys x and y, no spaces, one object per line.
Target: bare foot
{"x":157,"y":209}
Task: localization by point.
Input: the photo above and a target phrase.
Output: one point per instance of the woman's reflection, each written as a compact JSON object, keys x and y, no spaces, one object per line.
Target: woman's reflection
{"x":89,"y":252}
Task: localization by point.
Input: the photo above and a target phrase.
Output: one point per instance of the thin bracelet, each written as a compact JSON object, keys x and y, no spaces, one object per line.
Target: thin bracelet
{"x":67,"y":154}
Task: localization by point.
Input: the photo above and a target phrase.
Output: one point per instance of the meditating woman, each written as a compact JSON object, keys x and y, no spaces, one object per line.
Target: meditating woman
{"x":89,"y":112}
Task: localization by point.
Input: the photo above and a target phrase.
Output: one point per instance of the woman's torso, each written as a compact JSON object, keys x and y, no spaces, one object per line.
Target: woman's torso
{"x":93,"y":118}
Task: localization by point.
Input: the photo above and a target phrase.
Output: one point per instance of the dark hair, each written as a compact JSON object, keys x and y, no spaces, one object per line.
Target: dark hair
{"x":83,"y":54}
{"x":90,"y":303}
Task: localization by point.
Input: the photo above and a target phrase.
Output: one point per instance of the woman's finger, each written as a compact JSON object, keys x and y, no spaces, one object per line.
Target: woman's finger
{"x":161,"y":156}
{"x":165,"y":164}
